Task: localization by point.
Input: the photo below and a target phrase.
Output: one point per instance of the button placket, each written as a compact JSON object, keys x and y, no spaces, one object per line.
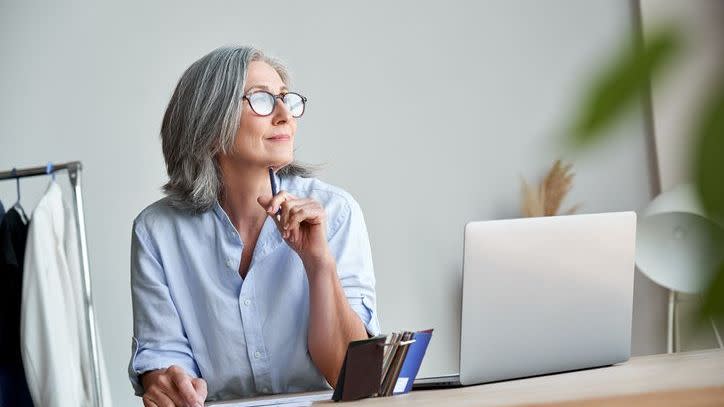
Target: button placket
{"x":246,"y":306}
{"x":256,"y":349}
{"x":233,"y":249}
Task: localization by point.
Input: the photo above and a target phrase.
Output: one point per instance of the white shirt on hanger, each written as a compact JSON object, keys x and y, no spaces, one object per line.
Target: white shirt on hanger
{"x":53,"y":334}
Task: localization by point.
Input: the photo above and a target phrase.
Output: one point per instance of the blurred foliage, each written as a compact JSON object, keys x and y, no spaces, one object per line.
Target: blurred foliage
{"x":621,"y":86}
{"x":709,"y":154}
{"x":713,"y":302}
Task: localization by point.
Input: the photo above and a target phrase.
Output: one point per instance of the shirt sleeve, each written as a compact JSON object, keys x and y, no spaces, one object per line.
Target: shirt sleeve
{"x":351,"y":247}
{"x":159,"y":340}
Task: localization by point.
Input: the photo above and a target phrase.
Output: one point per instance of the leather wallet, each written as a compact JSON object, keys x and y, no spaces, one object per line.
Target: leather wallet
{"x":361,"y":371}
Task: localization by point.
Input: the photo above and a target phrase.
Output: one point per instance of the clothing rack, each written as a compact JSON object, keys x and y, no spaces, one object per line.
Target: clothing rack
{"x":74,"y":169}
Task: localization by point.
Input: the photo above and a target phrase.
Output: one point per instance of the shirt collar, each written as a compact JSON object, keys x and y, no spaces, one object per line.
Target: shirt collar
{"x":220,"y":212}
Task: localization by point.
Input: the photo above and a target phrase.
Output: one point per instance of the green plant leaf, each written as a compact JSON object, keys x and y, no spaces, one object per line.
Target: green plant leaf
{"x":709,"y":180}
{"x":709,"y":155}
{"x":622,"y":84}
{"x":712,"y":305}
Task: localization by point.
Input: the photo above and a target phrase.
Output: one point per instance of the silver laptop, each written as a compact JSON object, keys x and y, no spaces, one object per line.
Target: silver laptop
{"x":544,"y":295}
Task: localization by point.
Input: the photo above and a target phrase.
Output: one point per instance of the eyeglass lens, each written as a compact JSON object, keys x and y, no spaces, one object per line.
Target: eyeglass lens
{"x":263,"y":103}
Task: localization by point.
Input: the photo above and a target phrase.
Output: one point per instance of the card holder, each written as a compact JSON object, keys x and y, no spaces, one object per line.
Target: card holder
{"x":361,"y":370}
{"x":381,"y":366}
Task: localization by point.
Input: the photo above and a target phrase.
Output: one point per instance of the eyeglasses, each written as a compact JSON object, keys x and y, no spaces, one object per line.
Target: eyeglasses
{"x":263,"y":102}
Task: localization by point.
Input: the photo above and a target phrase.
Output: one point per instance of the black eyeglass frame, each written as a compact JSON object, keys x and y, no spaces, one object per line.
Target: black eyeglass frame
{"x":274,"y":104}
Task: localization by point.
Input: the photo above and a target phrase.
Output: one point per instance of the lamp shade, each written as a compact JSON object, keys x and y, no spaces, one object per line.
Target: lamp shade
{"x":677,"y":246}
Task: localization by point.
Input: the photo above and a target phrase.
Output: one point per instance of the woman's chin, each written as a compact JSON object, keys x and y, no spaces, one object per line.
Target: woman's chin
{"x":279,"y":162}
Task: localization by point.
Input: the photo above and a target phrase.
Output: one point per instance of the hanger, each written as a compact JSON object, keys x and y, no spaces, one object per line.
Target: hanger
{"x":50,"y":170}
{"x":17,"y":205}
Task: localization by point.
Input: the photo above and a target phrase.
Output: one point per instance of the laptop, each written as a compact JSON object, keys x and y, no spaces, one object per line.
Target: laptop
{"x":544,"y":295}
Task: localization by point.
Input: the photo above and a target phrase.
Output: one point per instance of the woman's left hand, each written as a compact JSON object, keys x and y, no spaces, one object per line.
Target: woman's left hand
{"x":302,"y":223}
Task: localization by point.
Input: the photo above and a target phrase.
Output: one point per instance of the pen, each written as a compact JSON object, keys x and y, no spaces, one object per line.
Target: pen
{"x":273,"y":181}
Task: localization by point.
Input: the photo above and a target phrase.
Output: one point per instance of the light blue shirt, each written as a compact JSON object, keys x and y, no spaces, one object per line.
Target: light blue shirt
{"x":248,"y":336}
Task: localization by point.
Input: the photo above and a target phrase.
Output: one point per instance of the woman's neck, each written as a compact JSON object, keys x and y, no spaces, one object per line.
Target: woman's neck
{"x":242,"y":186}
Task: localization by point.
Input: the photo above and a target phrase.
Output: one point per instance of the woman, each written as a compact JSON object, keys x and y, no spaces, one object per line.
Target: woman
{"x":231,"y":299}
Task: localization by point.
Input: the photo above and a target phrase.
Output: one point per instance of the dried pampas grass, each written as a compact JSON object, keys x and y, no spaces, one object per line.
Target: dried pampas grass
{"x":547,"y":197}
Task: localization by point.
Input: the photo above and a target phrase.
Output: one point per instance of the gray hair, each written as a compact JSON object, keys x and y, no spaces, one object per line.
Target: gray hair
{"x":202,"y":119}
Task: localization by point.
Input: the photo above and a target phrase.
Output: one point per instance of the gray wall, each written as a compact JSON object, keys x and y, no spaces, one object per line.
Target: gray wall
{"x":428,"y":113}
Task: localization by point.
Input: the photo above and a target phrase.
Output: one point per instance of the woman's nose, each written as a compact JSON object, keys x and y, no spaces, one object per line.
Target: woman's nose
{"x":281,"y":112}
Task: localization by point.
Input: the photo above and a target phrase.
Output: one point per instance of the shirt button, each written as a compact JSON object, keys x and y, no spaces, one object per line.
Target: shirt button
{"x":247,"y":302}
{"x":257,"y":355}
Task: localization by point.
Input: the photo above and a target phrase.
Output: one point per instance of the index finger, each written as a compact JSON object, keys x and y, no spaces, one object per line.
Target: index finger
{"x":276,"y":201}
{"x":184,"y":386}
{"x":200,"y":386}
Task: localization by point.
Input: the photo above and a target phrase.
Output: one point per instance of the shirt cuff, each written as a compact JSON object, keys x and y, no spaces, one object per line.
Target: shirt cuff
{"x":364,"y":308}
{"x":145,"y":360}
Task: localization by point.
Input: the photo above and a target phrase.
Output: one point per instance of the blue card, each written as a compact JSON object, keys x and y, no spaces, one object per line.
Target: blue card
{"x":412,"y":362}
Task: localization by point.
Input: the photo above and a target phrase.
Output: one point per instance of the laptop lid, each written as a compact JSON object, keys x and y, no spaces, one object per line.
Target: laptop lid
{"x":544,"y":295}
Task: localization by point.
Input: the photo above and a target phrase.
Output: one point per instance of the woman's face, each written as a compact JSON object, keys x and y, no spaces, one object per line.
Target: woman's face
{"x":265,"y":140}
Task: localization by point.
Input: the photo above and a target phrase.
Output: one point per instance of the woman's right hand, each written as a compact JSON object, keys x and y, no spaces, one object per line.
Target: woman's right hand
{"x":172,"y":387}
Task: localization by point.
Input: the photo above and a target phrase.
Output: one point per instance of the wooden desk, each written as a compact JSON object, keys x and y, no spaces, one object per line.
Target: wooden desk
{"x":692,"y":378}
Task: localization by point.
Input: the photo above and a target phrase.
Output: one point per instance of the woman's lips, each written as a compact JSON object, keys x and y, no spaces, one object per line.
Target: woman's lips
{"x":281,"y":137}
